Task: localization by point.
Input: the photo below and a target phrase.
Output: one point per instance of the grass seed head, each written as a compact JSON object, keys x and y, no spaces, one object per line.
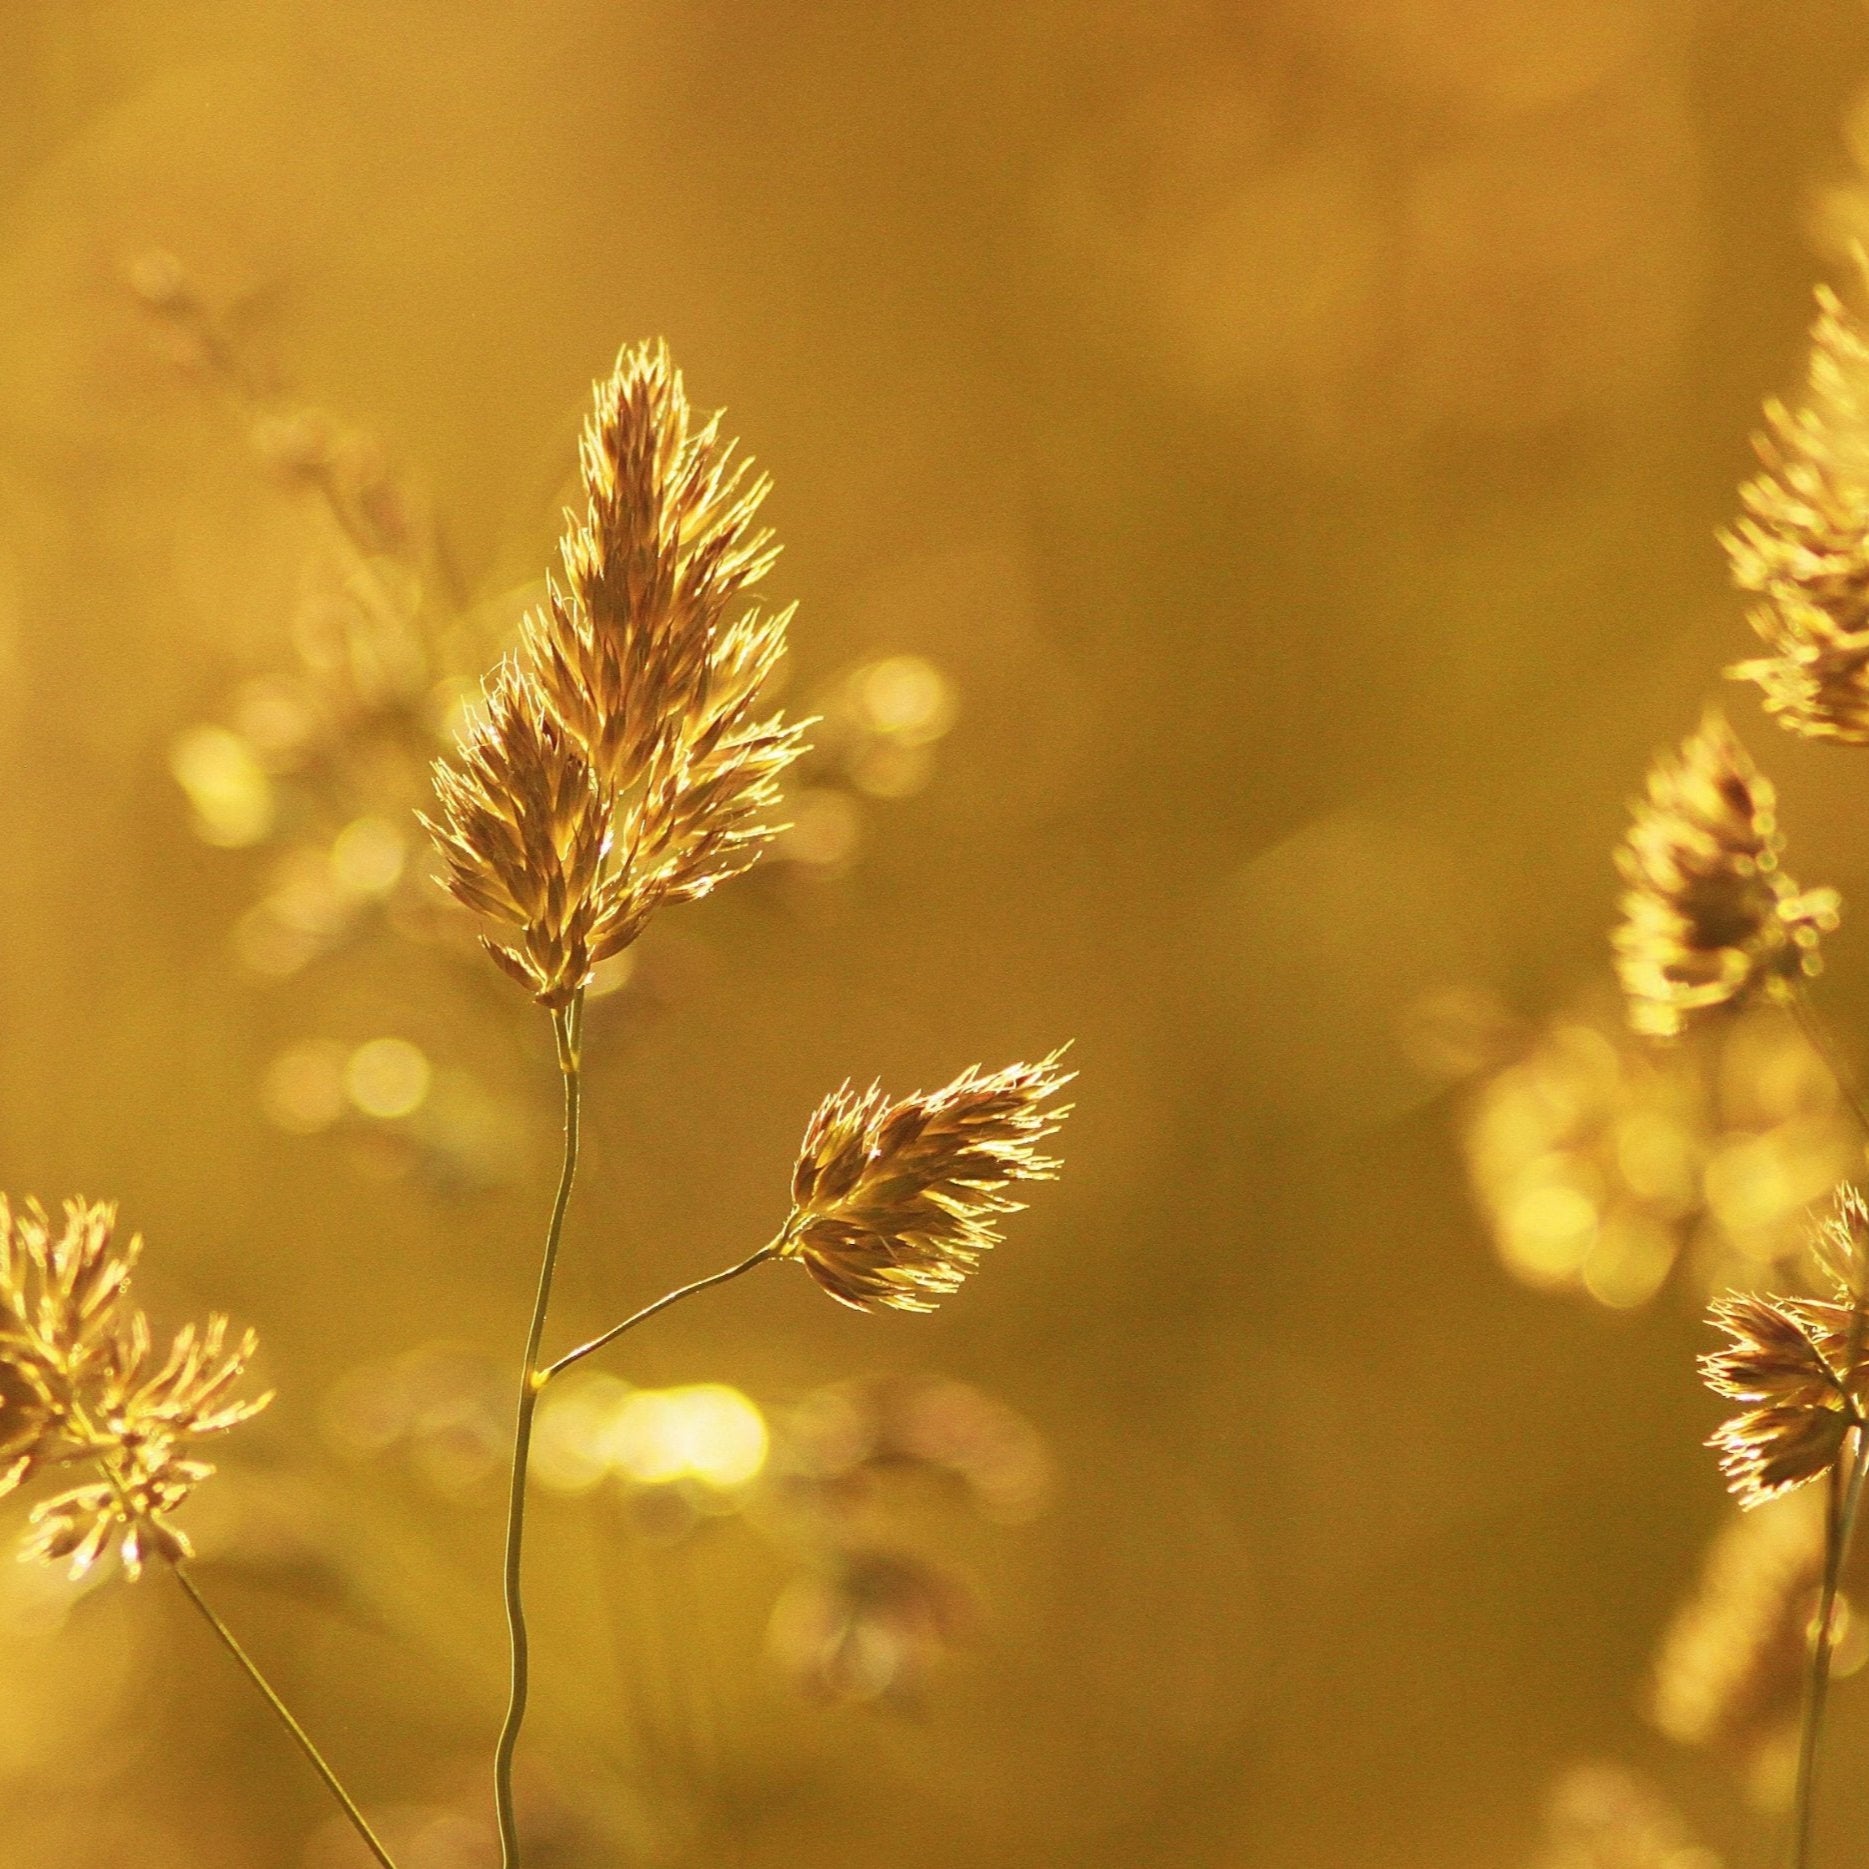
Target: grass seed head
{"x":85,"y":1383}
{"x":1708,"y":919}
{"x":893,"y":1203}
{"x":625,"y":763}
{"x":1794,"y":1362}
{"x":525,"y":833}
{"x":647,"y":652}
{"x":1803,"y":542}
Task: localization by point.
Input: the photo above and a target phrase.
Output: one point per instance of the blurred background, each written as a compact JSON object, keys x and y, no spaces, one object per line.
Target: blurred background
{"x":1249,"y":474}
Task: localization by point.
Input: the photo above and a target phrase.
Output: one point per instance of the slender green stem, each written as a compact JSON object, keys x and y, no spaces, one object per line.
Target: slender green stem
{"x":649,"y":1310}
{"x":1846,"y":1485}
{"x":299,"y":1734}
{"x":565,"y":1028}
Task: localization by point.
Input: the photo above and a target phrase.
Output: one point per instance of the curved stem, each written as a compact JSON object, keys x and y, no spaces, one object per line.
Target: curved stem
{"x":1839,"y":1522}
{"x":1819,"y":1040}
{"x":299,"y":1734}
{"x":649,"y":1310}
{"x":565,"y":1026}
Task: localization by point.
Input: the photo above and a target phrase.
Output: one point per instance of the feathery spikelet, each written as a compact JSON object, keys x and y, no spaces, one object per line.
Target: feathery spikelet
{"x":1797,"y":1363}
{"x":85,"y":1383}
{"x":1798,"y":1411}
{"x":637,"y":653}
{"x":666,"y":543}
{"x":637,"y":706}
{"x":893,"y":1203}
{"x":1803,"y":545}
{"x":1840,"y":1246}
{"x":525,"y":832}
{"x":1708,"y":918}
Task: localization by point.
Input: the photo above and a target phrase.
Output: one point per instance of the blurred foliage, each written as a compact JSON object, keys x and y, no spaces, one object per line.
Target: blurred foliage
{"x":1249,"y":476}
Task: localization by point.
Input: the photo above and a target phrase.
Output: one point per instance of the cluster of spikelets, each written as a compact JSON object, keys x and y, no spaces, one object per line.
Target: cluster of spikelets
{"x":893,"y":1203}
{"x":1798,"y":1366}
{"x":81,"y":1384}
{"x":1803,"y":545}
{"x":1709,"y":919}
{"x":622,"y":762}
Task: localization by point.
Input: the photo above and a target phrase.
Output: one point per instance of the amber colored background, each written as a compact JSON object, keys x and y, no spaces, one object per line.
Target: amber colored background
{"x":1294,"y":432}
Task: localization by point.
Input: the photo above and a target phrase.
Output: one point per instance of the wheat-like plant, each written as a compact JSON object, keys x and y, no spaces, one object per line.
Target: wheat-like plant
{"x":622,"y":764}
{"x":81,"y":1386}
{"x":1711,"y":922}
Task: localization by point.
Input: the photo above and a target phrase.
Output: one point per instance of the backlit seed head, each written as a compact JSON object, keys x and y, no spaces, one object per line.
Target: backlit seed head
{"x":894,"y":1202}
{"x":1708,"y":917}
{"x":525,"y":834}
{"x":624,"y":762}
{"x":81,"y":1381}
{"x":1803,"y":543}
{"x":1795,"y":1363}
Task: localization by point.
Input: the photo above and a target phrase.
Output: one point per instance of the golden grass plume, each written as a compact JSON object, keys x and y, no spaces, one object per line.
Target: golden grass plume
{"x":1803,"y":543}
{"x":634,"y":710}
{"x":1798,"y":1365}
{"x":894,"y":1202}
{"x":87,"y":1385}
{"x":1708,"y":918}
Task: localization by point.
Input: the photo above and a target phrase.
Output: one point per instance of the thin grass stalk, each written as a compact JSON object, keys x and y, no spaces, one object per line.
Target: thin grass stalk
{"x":300,"y":1737}
{"x":1819,"y":1040}
{"x":648,"y":1311}
{"x":1839,"y":1523}
{"x":1845,"y":1495}
{"x":566,"y":1028}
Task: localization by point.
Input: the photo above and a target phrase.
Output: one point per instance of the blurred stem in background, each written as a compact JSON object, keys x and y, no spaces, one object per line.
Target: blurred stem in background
{"x":1845,"y":1486}
{"x":302,"y":1738}
{"x":1813,"y":1029}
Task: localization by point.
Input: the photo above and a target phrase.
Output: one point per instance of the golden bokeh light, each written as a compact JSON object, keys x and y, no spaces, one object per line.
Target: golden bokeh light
{"x":1250,"y":478}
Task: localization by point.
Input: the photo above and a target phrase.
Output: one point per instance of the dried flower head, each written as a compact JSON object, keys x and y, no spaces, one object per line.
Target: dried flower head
{"x":1786,"y":1361}
{"x":84,"y":1383}
{"x":1803,"y":544}
{"x":1798,"y":1413}
{"x":1799,"y":1365}
{"x":633,"y":647}
{"x":1840,"y":1247}
{"x":638,"y":706}
{"x":893,"y":1203}
{"x":1708,"y":918}
{"x":638,"y":652}
{"x":525,"y":833}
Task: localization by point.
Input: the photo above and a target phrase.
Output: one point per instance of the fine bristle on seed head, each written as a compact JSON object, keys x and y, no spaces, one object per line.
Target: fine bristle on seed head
{"x":83,"y":1381}
{"x":1802,"y":544}
{"x":524,"y":833}
{"x":624,"y":763}
{"x":1708,"y":918}
{"x":894,"y":1202}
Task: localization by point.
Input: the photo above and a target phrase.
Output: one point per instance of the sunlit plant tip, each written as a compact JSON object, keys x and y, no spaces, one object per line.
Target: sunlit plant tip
{"x":894,"y":1202}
